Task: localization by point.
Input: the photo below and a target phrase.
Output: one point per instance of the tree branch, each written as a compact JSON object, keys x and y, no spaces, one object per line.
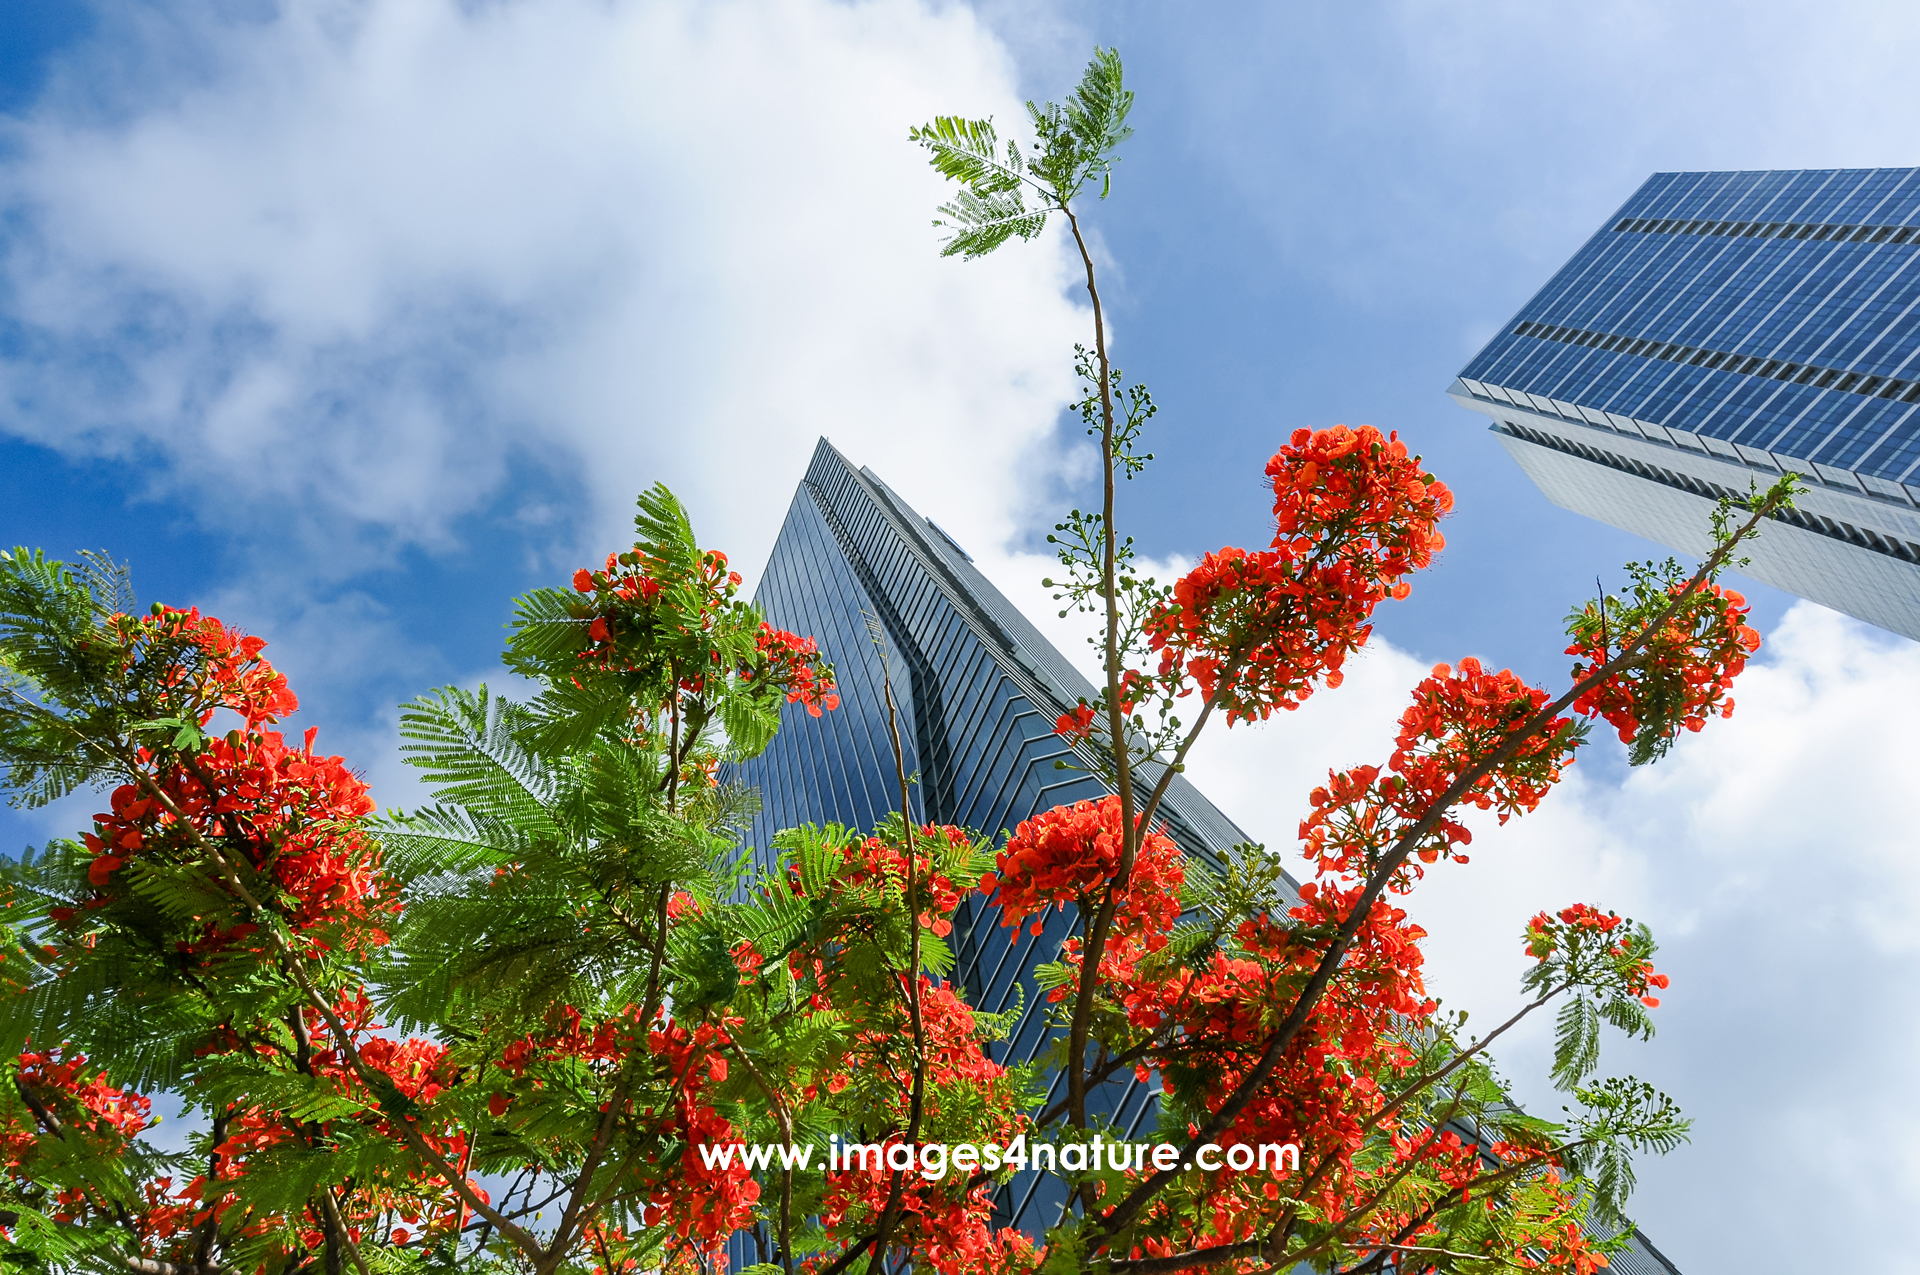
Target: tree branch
{"x":1404,"y":846}
{"x":41,"y":1112}
{"x":1101,"y":923}
{"x":1459,"y":1060}
{"x":884,"y":1232}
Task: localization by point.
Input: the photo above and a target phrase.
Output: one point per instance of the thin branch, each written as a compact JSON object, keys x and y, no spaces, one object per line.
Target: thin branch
{"x":1460,"y":1059}
{"x":1101,"y":923}
{"x":151,"y":1266}
{"x":1381,"y":1189}
{"x":1474,"y":1186}
{"x":1152,"y":805}
{"x":785,"y":1121}
{"x":563,"y":1235}
{"x":846,"y":1259}
{"x":917,"y":1101}
{"x":673,"y":741}
{"x":337,"y":1229}
{"x":41,"y":1112}
{"x":1210,"y":1256}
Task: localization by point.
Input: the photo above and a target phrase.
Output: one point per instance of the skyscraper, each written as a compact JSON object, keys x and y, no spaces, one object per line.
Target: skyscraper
{"x":1718,"y":330}
{"x":979,"y":690}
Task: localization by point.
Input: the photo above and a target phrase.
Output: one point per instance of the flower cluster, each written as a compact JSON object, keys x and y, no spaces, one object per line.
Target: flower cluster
{"x":52,"y":1099}
{"x":1219,"y":1013}
{"x":946,"y":1227}
{"x":1463,"y":714}
{"x":647,"y":615}
{"x":672,"y":623}
{"x":945,"y":1224}
{"x":842,"y":987}
{"x":1583,"y":925}
{"x":208,"y":666}
{"x":245,"y":822}
{"x":882,"y":861}
{"x":256,"y":1142}
{"x":1545,"y":936}
{"x":1066,"y":854}
{"x":1459,"y":716}
{"x":794,"y":662}
{"x":1257,"y":631}
{"x":295,"y":816}
{"x":569,"y":1037}
{"x":701,"y":1203}
{"x":1681,"y":678}
{"x":1327,"y":483}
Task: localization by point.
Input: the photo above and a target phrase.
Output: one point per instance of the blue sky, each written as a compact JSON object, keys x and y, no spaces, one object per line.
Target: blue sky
{"x":347,"y":320}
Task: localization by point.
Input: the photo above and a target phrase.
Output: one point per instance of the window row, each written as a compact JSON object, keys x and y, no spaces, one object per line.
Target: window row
{"x":1821,"y":378}
{"x":1767,"y":229}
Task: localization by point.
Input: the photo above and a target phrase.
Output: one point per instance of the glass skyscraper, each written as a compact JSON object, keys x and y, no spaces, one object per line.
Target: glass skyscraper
{"x":1718,"y":330}
{"x":979,"y":690}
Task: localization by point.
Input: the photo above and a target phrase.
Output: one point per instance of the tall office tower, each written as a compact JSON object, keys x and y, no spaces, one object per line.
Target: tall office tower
{"x":1720,"y":329}
{"x":979,"y":690}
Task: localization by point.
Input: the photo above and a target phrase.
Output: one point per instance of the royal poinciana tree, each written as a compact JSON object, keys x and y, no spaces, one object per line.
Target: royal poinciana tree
{"x":498,"y":1031}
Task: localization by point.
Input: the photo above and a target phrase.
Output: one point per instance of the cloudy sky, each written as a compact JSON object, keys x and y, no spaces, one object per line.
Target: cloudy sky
{"x":347,"y":319}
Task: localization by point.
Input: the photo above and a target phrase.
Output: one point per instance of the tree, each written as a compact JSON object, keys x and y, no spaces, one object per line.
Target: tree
{"x":630,"y":1044}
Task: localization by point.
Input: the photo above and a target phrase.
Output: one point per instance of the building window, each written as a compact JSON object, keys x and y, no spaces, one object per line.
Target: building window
{"x":1839,"y":380}
{"x":1769,"y":229}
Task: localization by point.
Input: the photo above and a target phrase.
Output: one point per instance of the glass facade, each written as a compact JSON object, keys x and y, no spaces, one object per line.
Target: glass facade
{"x":1719,"y":329}
{"x":978,"y":690}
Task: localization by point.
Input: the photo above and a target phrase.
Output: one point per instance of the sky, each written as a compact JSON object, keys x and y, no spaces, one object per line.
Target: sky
{"x":348,"y":319}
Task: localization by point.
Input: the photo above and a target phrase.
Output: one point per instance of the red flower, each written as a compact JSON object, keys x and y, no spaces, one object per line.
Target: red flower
{"x":1076,"y":723}
{"x":1069,"y":852}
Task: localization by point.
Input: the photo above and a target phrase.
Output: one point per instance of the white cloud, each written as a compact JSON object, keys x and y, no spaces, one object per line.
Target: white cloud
{"x":1775,"y":858}
{"x":352,"y":266}
{"x":339,"y":275}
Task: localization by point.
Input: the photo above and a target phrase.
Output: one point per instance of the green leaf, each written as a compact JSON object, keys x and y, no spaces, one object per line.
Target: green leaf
{"x":750,"y":724}
{"x":1576,"y":1044}
{"x":468,"y":743}
{"x":665,"y":527}
{"x":547,"y":632}
{"x":1077,"y":140}
{"x":1076,"y":144}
